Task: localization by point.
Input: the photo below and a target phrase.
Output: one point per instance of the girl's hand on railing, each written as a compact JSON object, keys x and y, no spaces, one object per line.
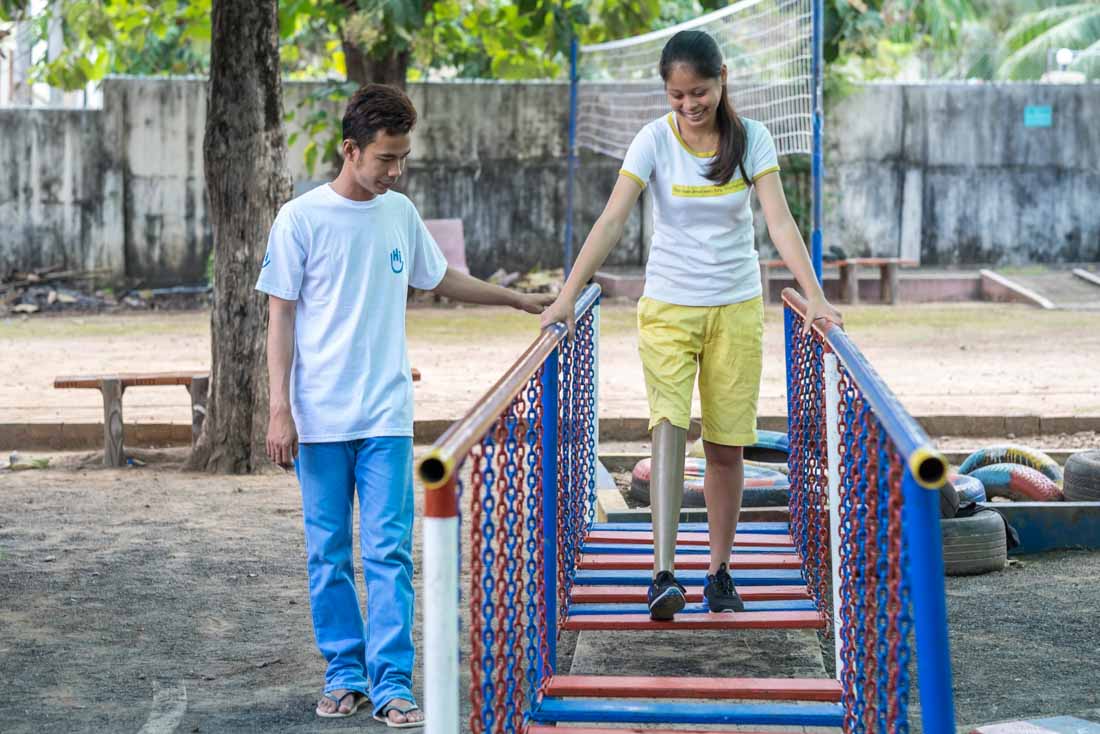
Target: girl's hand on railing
{"x":562,"y":309}
{"x":817,"y":308}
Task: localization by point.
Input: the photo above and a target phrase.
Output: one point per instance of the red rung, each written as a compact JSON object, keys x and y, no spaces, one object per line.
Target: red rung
{"x":637,"y":562}
{"x":762,"y":689}
{"x":710,"y":621}
{"x":637,"y":594}
{"x":545,"y":729}
{"x":645,"y":537}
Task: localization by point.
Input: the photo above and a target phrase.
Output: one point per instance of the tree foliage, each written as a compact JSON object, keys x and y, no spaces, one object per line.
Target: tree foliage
{"x":448,"y":38}
{"x":1031,"y":39}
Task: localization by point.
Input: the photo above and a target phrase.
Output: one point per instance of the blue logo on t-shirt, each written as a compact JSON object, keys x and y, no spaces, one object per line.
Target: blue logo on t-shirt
{"x":396,"y":263}
{"x":267,"y":260}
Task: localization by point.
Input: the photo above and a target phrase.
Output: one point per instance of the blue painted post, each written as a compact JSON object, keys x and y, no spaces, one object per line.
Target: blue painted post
{"x":572,"y":172}
{"x":788,"y":327}
{"x":817,"y":74}
{"x":922,"y":533}
{"x":550,"y":505}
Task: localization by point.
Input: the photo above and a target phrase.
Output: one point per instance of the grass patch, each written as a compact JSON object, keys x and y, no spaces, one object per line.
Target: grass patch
{"x":189,"y":323}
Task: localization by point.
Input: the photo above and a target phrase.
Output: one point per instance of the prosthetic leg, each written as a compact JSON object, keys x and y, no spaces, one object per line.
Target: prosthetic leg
{"x":666,"y":492}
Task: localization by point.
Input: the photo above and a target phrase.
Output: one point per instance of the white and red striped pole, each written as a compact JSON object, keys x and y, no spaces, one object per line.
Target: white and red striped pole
{"x":441,"y":608}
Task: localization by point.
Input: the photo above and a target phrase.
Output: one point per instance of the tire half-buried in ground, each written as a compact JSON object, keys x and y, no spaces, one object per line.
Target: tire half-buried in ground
{"x":1082,"y":482}
{"x":974,"y":544}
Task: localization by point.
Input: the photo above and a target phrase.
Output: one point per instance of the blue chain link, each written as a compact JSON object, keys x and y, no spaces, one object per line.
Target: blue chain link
{"x":533,"y":551}
{"x":511,"y":566}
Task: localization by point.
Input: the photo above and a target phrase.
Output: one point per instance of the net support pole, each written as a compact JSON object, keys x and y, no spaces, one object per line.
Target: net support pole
{"x":441,"y":609}
{"x":572,"y":157}
{"x":832,"y":433}
{"x":596,"y":389}
{"x":925,"y":541}
{"x":549,"y":399}
{"x":817,"y":163}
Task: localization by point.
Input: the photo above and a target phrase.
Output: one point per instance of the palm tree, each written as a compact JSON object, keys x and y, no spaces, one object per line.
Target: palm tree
{"x":1030,"y":41}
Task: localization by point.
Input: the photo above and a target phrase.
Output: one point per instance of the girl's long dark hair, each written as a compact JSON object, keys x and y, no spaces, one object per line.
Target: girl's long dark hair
{"x":699,"y":51}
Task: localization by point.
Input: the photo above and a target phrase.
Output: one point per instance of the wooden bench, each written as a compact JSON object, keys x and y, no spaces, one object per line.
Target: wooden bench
{"x":849,"y":276}
{"x":113,"y":386}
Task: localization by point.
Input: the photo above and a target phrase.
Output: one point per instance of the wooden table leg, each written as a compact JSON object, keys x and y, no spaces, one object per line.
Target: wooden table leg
{"x":888,"y":277}
{"x":849,"y":282}
{"x":198,"y":389}
{"x":113,"y":454}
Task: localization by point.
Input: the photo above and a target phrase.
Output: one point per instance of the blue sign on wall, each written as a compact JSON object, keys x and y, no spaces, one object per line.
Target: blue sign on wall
{"x":1038,"y":116}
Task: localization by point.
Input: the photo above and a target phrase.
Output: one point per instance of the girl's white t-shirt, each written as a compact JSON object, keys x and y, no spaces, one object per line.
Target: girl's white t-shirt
{"x":703,"y":251}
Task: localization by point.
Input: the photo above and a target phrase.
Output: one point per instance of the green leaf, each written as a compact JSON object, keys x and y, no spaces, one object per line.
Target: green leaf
{"x":311,"y":153}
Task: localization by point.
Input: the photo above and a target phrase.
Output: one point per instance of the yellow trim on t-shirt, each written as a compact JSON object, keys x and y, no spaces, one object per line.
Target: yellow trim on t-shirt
{"x":688,"y":148}
{"x":765,"y":172}
{"x":732,"y":187}
{"x":632,"y":177}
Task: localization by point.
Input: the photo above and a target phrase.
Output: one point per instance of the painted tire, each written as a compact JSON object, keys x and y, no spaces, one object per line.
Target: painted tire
{"x":1013,"y":454}
{"x":771,"y":447}
{"x":1016,"y":482}
{"x":974,"y":544}
{"x":970,"y":489}
{"x":1083,"y":477}
{"x":763,"y":487}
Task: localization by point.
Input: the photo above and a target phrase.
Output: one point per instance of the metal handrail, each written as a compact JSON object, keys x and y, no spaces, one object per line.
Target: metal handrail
{"x":438,"y":466}
{"x":927,"y":464}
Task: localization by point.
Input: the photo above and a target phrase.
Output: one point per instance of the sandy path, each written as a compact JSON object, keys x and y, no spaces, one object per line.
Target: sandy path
{"x":985,"y":359}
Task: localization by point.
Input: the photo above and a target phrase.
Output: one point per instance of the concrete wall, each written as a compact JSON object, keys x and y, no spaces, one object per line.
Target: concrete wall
{"x":154,"y":130}
{"x":947,"y":174}
{"x":56,"y":205}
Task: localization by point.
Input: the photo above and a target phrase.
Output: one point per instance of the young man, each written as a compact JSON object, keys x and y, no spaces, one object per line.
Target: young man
{"x":339,"y":263}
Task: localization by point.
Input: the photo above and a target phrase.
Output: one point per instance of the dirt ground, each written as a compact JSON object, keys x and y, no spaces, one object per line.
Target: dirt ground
{"x":1024,"y":641}
{"x":971,"y":358}
{"x":157,"y":601}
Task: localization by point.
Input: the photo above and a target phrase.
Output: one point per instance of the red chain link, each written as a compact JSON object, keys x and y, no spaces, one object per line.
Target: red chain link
{"x":893,"y":713}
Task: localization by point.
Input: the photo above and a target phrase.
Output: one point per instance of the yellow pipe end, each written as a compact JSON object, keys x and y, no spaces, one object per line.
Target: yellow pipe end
{"x":435,"y":470}
{"x":928,"y":467}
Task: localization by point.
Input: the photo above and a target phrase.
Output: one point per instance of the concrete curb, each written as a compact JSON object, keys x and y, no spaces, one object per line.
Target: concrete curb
{"x":89,"y":436}
{"x":624,"y":462}
{"x":1045,"y":526}
{"x":999,"y":288}
{"x":1087,"y":276}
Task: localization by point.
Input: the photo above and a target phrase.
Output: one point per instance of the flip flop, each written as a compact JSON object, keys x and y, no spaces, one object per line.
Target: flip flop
{"x":384,"y":716}
{"x":357,"y":702}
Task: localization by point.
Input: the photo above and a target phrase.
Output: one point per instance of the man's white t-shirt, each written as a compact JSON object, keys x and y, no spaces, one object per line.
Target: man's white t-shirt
{"x":703,"y":252}
{"x":349,"y":265}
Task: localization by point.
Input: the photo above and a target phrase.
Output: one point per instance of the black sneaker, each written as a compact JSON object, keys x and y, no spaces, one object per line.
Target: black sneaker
{"x":666,"y":597}
{"x":719,"y":594}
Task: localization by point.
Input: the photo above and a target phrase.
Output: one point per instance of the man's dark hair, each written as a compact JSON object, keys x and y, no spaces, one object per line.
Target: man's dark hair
{"x":378,"y":107}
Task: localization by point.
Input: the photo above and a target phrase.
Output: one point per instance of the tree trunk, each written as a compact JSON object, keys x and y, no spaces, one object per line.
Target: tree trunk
{"x":247,"y":180}
{"x":364,"y":68}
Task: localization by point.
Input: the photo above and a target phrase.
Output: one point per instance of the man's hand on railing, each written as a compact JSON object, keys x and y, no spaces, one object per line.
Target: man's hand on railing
{"x":818,"y":308}
{"x":535,"y":303}
{"x":562,"y":309}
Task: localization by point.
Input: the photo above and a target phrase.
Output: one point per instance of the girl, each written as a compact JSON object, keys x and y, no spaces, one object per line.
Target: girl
{"x":701,"y":311}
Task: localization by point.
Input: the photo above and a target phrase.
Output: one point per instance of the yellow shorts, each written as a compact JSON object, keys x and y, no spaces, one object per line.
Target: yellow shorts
{"x":725,"y":345}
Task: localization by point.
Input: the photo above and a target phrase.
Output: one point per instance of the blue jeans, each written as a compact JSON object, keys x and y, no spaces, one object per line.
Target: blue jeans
{"x":375,"y":659}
